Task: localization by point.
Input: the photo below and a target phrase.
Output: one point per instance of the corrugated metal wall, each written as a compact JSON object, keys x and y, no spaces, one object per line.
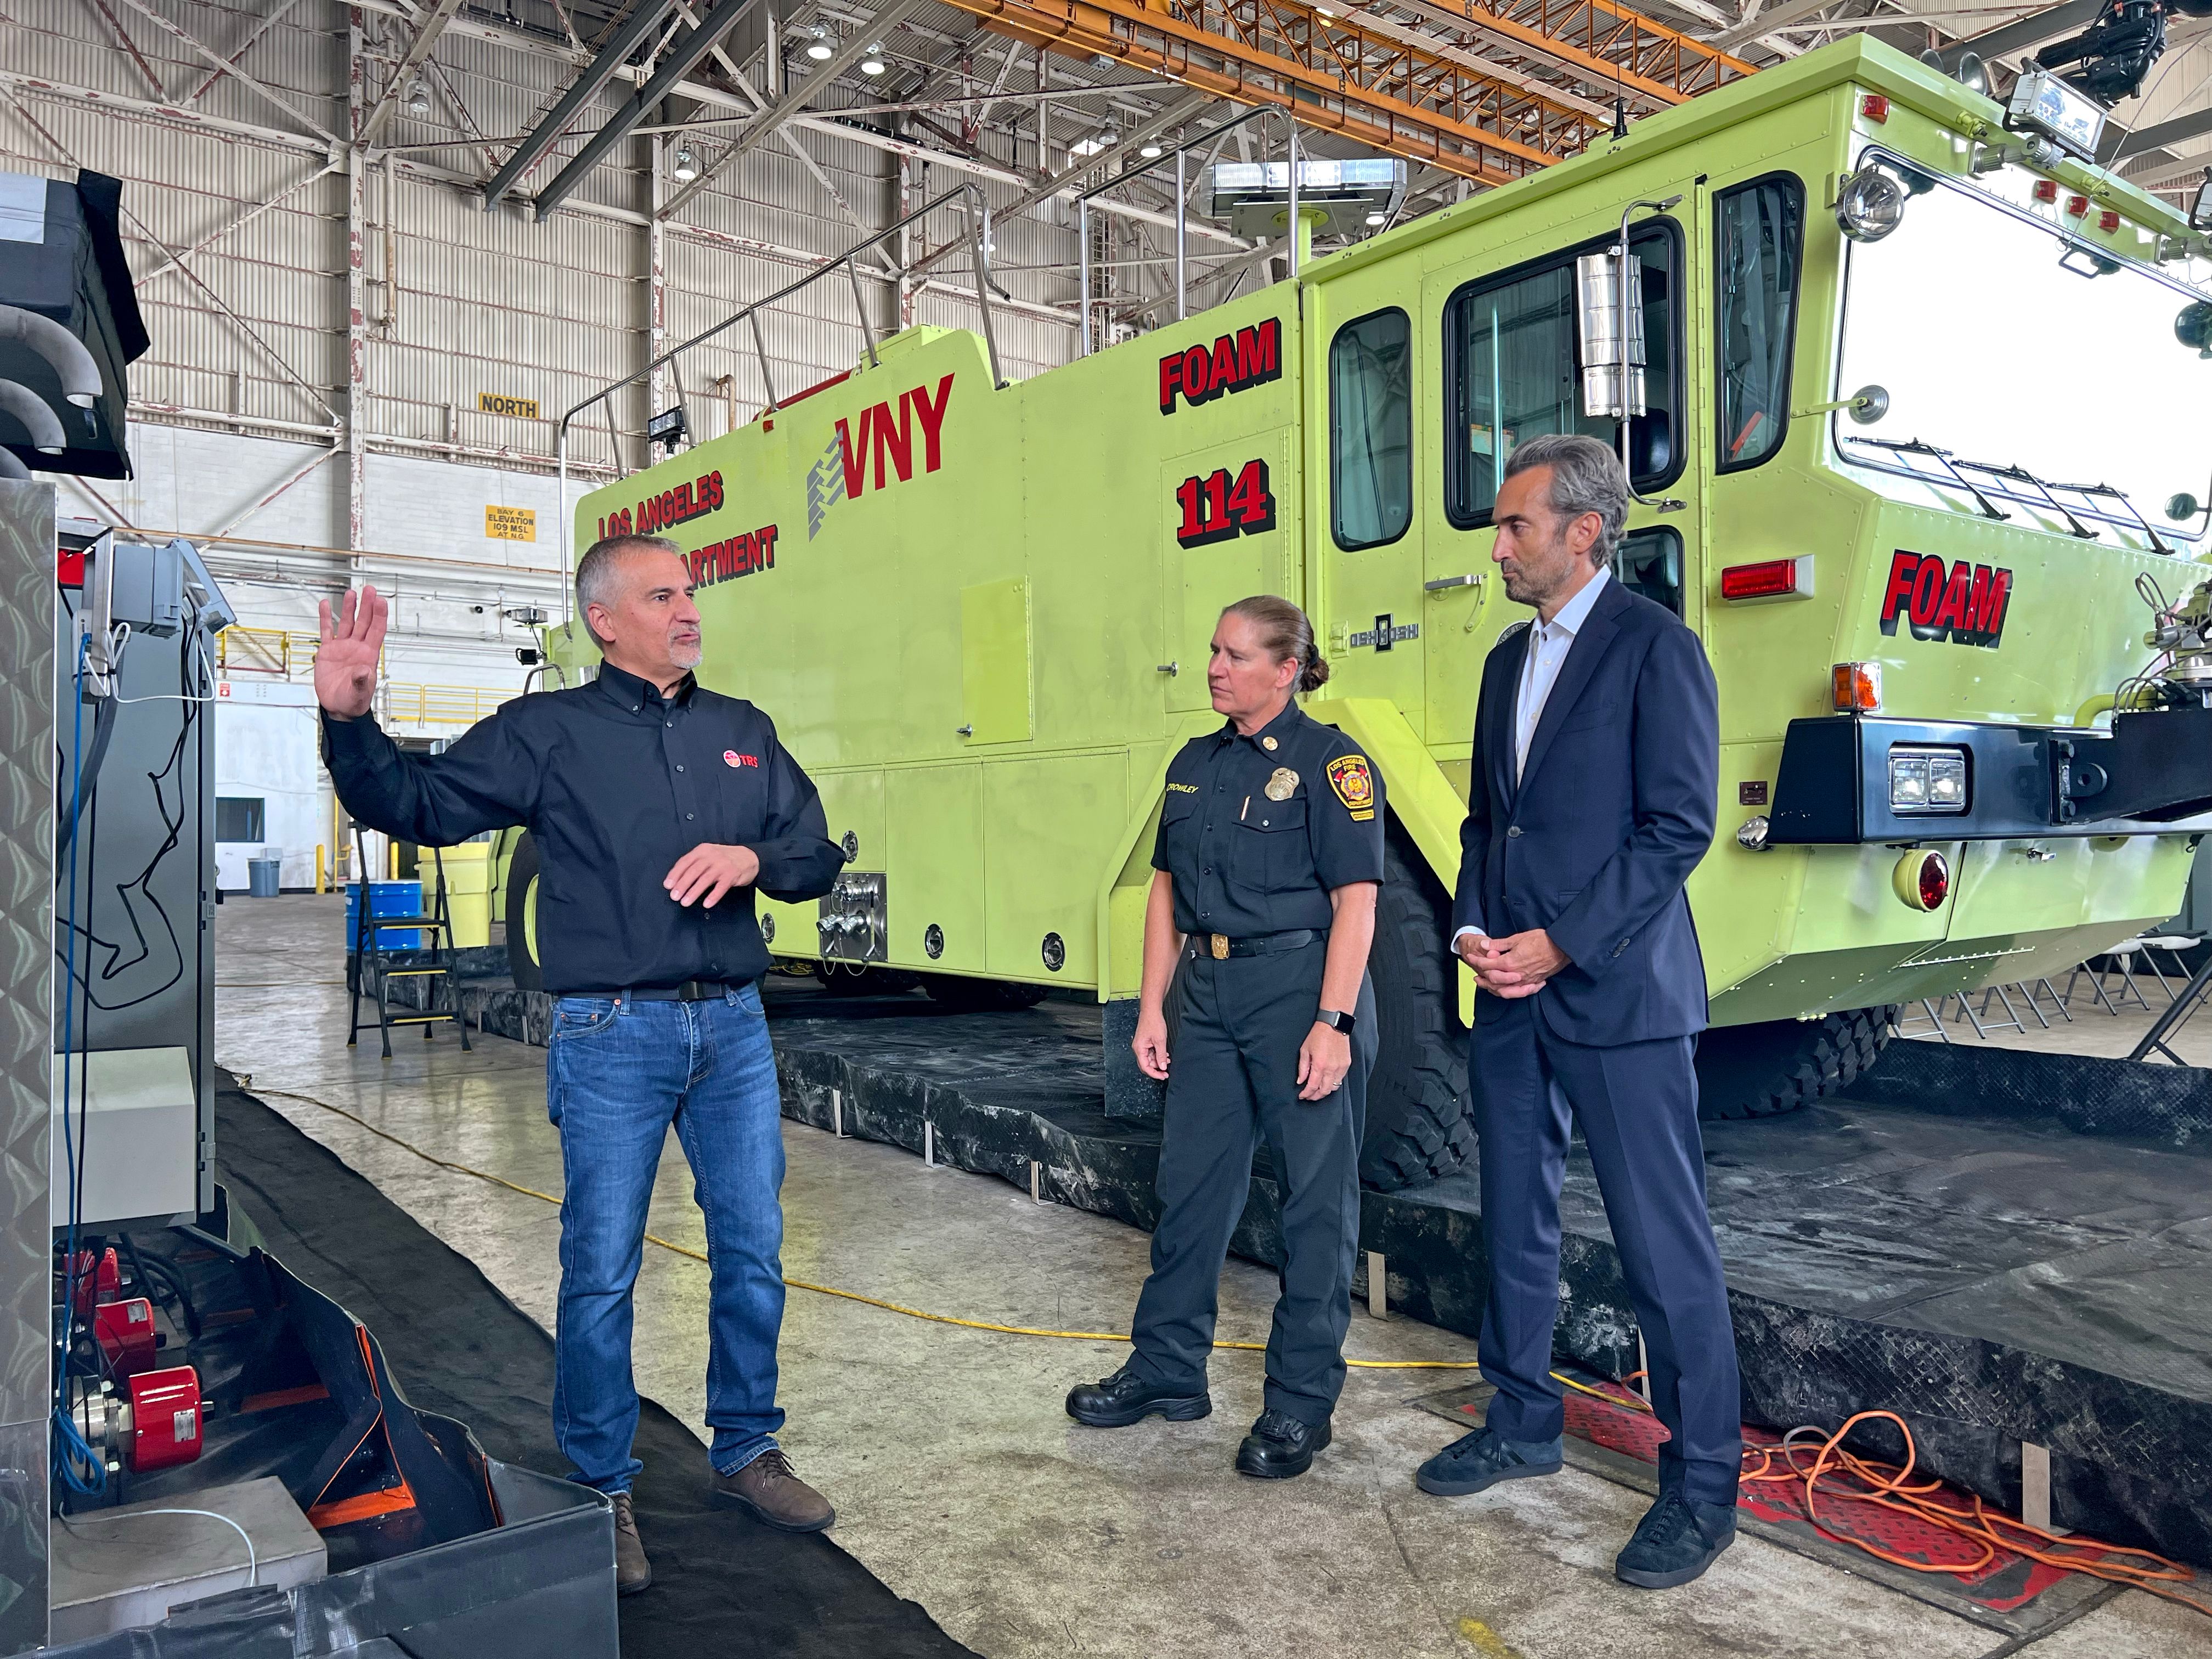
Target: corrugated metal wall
{"x":247,"y":379}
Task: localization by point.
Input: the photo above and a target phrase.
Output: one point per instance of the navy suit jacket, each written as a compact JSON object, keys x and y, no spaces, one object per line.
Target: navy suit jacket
{"x":1614,"y":808}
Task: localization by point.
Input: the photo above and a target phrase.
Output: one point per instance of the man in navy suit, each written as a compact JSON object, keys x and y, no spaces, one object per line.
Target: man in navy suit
{"x":1592,"y":798}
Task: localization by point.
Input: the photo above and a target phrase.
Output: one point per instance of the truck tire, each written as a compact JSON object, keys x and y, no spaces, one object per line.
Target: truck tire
{"x":522,"y":916}
{"x":981,"y":996}
{"x":1778,"y":1065}
{"x":1418,"y":1126}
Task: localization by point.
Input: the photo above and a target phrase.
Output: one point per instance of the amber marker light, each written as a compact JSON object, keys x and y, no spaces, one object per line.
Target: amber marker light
{"x":1855,"y":688}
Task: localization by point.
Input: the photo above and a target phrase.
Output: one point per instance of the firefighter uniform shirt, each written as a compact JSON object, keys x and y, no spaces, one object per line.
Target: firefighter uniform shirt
{"x":1257,"y":830}
{"x":615,"y":783}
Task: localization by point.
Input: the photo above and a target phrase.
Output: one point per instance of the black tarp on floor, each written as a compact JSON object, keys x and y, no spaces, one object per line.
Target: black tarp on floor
{"x":725,"y":1587}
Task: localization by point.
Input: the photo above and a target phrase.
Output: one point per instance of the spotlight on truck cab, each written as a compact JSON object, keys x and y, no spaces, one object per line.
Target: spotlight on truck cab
{"x":2200,"y":211}
{"x":1870,"y":205}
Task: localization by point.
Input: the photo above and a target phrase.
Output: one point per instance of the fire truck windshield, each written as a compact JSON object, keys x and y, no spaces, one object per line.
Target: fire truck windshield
{"x":2068,"y":394}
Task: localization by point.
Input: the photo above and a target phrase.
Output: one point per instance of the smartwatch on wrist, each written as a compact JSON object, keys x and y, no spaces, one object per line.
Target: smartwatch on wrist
{"x":1334,"y":1021}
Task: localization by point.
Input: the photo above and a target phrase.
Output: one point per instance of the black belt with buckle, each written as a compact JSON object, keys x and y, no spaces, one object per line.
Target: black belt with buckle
{"x":692,"y":990}
{"x":1220,"y":947}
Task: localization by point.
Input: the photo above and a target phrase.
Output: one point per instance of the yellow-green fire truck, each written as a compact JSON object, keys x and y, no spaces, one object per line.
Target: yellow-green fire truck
{"x":1923,"y":401}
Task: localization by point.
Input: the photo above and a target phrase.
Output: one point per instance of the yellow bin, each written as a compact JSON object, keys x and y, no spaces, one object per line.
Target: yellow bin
{"x":468,"y":891}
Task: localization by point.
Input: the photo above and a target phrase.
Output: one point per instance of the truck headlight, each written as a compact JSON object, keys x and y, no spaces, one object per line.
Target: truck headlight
{"x":1926,"y":779}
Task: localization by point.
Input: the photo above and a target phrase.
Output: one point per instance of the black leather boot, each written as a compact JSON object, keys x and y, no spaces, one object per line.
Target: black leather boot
{"x":1124,"y":1398}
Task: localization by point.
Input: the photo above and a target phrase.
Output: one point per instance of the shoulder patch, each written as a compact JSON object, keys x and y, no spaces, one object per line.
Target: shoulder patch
{"x":1510,"y":629}
{"x":1354,"y":785}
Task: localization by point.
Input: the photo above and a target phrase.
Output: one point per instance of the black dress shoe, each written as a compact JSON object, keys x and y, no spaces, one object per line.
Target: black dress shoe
{"x":1677,"y":1539}
{"x":1125,"y":1398}
{"x":1476,"y":1462}
{"x":1280,"y":1446}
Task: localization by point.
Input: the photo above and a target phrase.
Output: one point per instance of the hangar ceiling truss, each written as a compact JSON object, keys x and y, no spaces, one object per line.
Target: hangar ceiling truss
{"x":1487,"y":93}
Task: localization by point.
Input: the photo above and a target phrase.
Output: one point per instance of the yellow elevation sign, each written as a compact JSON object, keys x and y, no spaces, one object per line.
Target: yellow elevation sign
{"x":511,"y":524}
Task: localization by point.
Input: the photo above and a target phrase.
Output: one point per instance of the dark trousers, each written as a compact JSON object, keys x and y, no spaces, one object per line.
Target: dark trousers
{"x":1233,"y":1078}
{"x":1637,"y":1106}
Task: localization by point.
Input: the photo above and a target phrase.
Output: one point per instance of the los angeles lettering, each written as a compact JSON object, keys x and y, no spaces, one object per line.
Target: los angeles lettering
{"x":1249,"y":358}
{"x":679,"y":505}
{"x":888,"y":439}
{"x":740,"y":555}
{"x":1962,"y":603}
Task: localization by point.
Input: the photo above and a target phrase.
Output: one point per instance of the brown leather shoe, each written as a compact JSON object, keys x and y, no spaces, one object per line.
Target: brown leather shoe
{"x":633,"y":1572}
{"x":774,"y":1495}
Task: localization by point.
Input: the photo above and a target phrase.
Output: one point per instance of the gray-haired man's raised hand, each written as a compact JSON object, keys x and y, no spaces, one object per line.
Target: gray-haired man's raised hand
{"x":346,"y":661}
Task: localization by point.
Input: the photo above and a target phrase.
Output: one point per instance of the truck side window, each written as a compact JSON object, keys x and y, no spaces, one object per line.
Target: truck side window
{"x":1512,"y":349}
{"x":1649,"y":562}
{"x":1370,"y":430}
{"x":1761,"y":241}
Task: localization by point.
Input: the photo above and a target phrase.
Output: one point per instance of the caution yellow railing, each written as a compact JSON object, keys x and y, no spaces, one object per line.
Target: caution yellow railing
{"x":239,"y":649}
{"x":403,"y":704}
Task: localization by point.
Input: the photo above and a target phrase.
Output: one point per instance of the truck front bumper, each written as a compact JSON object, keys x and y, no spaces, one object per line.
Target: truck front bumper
{"x":2151,"y":773}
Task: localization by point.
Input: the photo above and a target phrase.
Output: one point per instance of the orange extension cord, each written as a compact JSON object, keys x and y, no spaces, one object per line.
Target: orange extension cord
{"x":1836,"y":1474}
{"x":1827,"y":1476}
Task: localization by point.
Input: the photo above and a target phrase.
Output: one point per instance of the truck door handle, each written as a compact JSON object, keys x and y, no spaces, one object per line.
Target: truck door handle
{"x":1167,"y":668}
{"x":1444,"y":582}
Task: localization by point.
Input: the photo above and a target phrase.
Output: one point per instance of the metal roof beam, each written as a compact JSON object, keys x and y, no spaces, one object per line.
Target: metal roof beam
{"x":668,"y":78}
{"x":585,"y":87}
{"x":765,"y":126}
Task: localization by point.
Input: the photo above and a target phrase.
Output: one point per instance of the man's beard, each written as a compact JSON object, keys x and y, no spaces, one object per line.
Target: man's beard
{"x":687,"y":656}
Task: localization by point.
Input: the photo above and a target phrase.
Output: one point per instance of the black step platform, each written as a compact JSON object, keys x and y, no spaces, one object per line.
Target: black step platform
{"x":1992,"y":1266}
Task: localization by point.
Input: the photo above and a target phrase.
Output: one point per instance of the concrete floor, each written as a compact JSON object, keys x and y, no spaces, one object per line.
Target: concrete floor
{"x":957,"y":1478}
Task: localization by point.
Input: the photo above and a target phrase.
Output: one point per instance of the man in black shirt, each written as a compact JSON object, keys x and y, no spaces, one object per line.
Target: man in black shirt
{"x":658,"y":807}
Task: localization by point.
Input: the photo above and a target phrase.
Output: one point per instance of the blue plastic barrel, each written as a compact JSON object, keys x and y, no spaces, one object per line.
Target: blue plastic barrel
{"x":387,"y":898}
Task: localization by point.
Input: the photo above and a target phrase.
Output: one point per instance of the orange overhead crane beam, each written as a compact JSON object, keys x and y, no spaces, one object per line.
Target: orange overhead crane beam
{"x":1493,"y":98}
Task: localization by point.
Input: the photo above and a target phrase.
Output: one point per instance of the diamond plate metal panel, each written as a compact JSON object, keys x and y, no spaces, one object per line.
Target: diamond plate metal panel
{"x":27,"y":976}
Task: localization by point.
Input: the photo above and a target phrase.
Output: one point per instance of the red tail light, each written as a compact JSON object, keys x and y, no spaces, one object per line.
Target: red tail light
{"x":1770,"y":579}
{"x":1874,"y":106}
{"x":1922,"y":879}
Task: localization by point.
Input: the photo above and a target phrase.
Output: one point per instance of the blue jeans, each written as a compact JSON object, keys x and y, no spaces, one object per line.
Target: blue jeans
{"x":618,"y":1072}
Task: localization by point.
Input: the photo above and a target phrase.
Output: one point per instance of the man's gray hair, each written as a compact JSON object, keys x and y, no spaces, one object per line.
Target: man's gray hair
{"x":1586,"y":477}
{"x":595,"y":572}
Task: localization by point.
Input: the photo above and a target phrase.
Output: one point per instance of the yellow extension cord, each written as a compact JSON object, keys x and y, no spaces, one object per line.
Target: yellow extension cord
{"x":877,"y":1301}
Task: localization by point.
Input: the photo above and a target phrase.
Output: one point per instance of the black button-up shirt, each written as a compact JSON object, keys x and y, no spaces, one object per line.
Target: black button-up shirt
{"x":616,"y":784}
{"x":1257,"y":831}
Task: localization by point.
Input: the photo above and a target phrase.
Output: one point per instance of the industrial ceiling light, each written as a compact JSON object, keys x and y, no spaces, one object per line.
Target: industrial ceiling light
{"x":819,"y":48}
{"x":419,"y":101}
{"x":873,"y":63}
{"x":1870,"y":205}
{"x":687,"y":165}
{"x":1378,"y":218}
{"x":1151,"y":152}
